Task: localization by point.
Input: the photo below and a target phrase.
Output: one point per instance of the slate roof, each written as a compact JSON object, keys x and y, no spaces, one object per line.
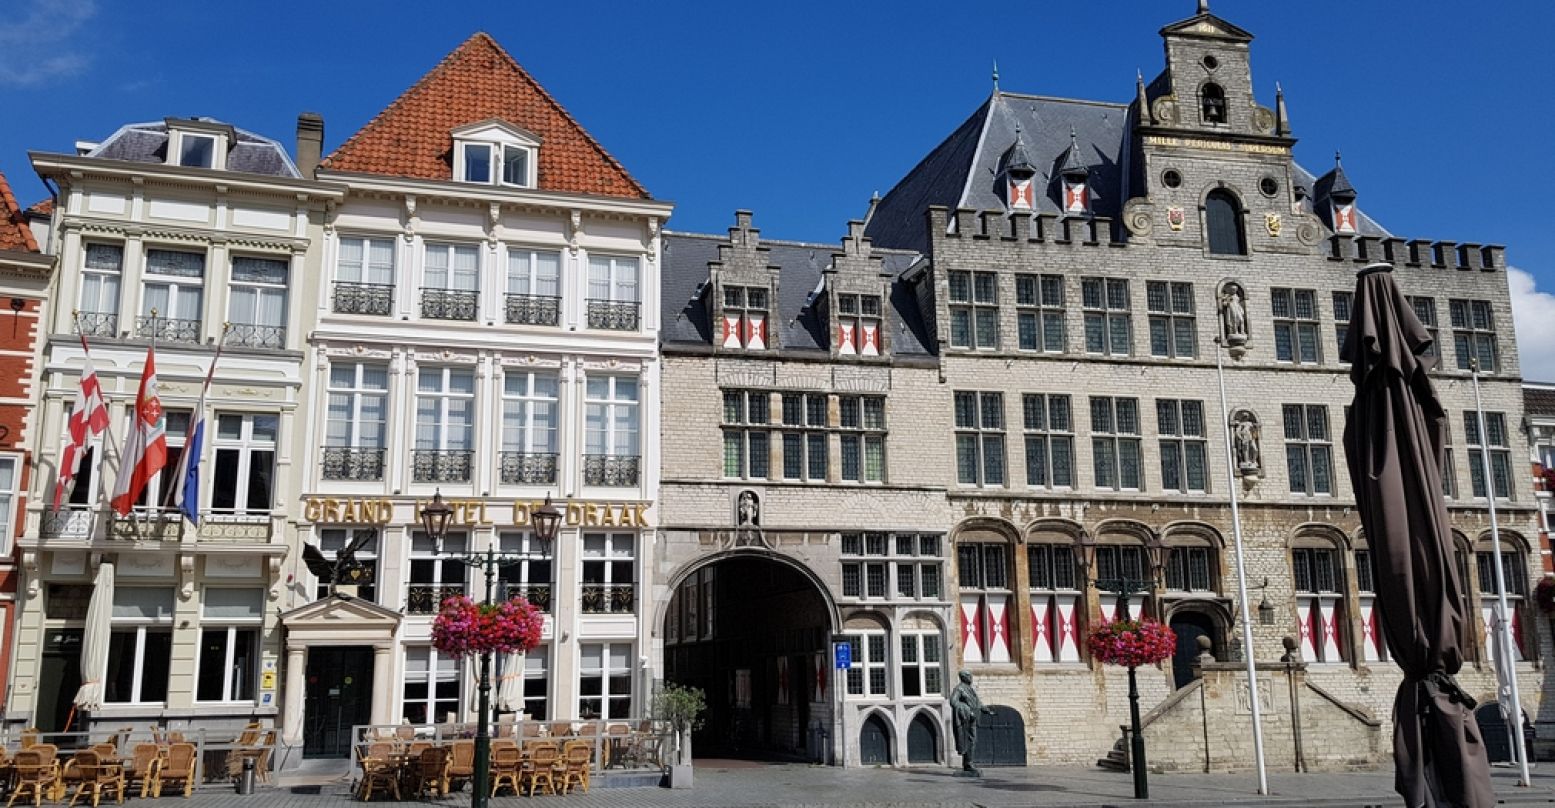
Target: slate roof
{"x":147,"y":143}
{"x":477,"y":82}
{"x":685,"y":318}
{"x":1539,"y":401}
{"x":15,"y":235}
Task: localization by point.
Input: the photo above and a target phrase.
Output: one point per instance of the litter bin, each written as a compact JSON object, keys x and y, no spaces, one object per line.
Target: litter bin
{"x":246,"y":779}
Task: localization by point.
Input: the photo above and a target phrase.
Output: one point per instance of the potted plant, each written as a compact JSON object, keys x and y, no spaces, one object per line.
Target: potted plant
{"x":681,"y":708}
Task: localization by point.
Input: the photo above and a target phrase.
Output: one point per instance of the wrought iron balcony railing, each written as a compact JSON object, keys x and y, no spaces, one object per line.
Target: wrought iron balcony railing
{"x":250,"y":335}
{"x":533,"y":309}
{"x":441,"y":465}
{"x":71,"y":523}
{"x":167,"y":330}
{"x":364,"y":298}
{"x":613,"y":315}
{"x":97,"y":324}
{"x":527,"y":468}
{"x":147,"y":524}
{"x":538,"y":595}
{"x":353,"y":463}
{"x":609,"y":598}
{"x":428,"y":598}
{"x":449,"y":304}
{"x":611,"y":470}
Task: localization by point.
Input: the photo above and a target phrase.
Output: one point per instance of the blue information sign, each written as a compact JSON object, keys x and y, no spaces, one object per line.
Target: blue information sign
{"x":843,"y":651}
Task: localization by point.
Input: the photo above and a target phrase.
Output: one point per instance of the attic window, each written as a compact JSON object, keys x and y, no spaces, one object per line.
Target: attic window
{"x":745,"y":318}
{"x":1213,"y":100}
{"x":858,"y":325}
{"x":196,"y":151}
{"x":509,"y":164}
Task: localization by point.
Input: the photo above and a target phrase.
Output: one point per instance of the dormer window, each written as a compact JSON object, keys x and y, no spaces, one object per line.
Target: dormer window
{"x":495,"y":153}
{"x":196,"y":151}
{"x":745,"y":318}
{"x":858,"y":325}
{"x":198,"y":142}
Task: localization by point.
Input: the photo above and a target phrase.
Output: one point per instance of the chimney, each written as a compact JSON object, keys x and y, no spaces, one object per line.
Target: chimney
{"x":310,"y":142}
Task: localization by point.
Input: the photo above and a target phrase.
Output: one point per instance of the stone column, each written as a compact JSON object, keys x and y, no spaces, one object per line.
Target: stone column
{"x":292,"y":697}
{"x":383,"y":683}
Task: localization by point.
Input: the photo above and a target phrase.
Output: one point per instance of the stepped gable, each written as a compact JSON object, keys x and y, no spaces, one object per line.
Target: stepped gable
{"x":15,"y":235}
{"x":479,"y":81}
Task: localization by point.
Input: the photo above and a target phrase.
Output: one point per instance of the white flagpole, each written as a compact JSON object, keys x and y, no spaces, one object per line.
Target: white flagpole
{"x":1514,"y":722}
{"x":1241,"y":576}
{"x":182,"y":472}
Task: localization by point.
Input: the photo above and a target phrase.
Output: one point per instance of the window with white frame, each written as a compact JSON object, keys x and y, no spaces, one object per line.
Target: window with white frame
{"x":865,"y":570}
{"x":923,"y":665}
{"x":1055,"y":595}
{"x":356,"y":421}
{"x":609,"y":577}
{"x":173,"y":286}
{"x":868,"y":676}
{"x":445,"y":424}
{"x":1109,"y":328}
{"x":1049,"y":440}
{"x":605,"y":680}
{"x":527,"y":568}
{"x":535,"y":672}
{"x":1115,"y":450}
{"x":140,"y":645}
{"x":435,"y":575}
{"x":862,"y":423}
{"x":1496,"y":444}
{"x":101,"y":277}
{"x":530,"y":410}
{"x":1173,"y":327}
{"x":332,"y":540}
{"x":974,"y":309}
{"x":1184,"y":452}
{"x":81,"y":490}
{"x":1514,"y":572}
{"x":614,"y":293}
{"x":8,"y":480}
{"x":450,"y":285}
{"x":1309,"y":458}
{"x":533,"y":286}
{"x":158,"y":492}
{"x":1473,"y":333}
{"x":244,"y":478}
{"x":1295,"y":326}
{"x":611,"y":416}
{"x":1039,"y":318}
{"x":196,"y":151}
{"x":364,"y":275}
{"x":983,"y":568}
{"x":804,"y":437}
{"x":747,"y":434}
{"x":980,"y":438}
{"x":475,"y":159}
{"x":230,"y":622}
{"x":257,"y":309}
{"x":509,"y":164}
{"x":434,"y":683}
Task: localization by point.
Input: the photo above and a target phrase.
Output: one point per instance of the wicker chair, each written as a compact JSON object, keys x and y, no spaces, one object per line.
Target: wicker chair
{"x":379,"y":772}
{"x":543,"y":757}
{"x":461,"y":766}
{"x":35,"y":777}
{"x":574,"y":766}
{"x":143,"y":769}
{"x":252,"y":749}
{"x":98,"y":775}
{"x":507,"y":768}
{"x":178,"y":767}
{"x":50,"y":754}
{"x":30,"y":737}
{"x":432,"y":771}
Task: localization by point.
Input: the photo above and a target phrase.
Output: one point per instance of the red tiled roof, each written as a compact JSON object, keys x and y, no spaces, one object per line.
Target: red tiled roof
{"x":477,"y":82}
{"x":14,"y":232}
{"x":43,"y":207}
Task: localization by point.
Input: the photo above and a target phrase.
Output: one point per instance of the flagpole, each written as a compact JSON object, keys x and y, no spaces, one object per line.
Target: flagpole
{"x":182,"y":472}
{"x":102,"y":463}
{"x":1514,"y":722}
{"x":1241,"y":576}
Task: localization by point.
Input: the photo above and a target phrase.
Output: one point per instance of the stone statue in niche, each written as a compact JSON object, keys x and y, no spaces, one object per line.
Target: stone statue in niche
{"x":748,"y":511}
{"x":747,"y":530}
{"x":1245,"y":439}
{"x":1233,"y":313}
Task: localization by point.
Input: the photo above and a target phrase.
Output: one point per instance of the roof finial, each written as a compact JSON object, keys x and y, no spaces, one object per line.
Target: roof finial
{"x":996,"y":76}
{"x":1203,"y":6}
{"x":1336,"y":158}
{"x":1074,"y":140}
{"x":1281,"y":115}
{"x":1145,"y":116}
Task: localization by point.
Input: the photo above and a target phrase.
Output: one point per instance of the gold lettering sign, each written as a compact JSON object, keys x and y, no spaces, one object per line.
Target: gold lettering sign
{"x":468,"y":512}
{"x":351,"y":510}
{"x":589,"y":514}
{"x":1215,"y":145}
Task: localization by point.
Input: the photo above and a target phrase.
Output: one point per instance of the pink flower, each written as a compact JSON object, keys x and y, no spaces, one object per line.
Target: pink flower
{"x":1132,"y":643}
{"x":465,"y":628}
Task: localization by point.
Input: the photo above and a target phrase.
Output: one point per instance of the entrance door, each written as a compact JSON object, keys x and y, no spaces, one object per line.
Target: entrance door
{"x":922,"y":741}
{"x":59,"y":679}
{"x":874,"y":743}
{"x":339,"y":696}
{"x":1189,"y":627}
{"x":1001,"y":738}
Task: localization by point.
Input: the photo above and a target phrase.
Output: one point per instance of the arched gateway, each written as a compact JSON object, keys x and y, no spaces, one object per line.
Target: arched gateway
{"x":752,"y":629}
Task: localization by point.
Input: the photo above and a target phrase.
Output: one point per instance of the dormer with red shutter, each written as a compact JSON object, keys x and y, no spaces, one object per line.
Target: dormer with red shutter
{"x":1074,"y":181}
{"x":858,"y":289}
{"x":1019,"y":176}
{"x":1335,"y":188}
{"x":744,"y":293}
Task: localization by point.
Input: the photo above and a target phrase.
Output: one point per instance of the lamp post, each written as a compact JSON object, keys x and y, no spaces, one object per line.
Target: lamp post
{"x":1126,"y":586}
{"x":435,"y":517}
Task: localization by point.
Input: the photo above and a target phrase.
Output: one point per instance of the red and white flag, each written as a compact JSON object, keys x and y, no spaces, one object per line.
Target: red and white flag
{"x":88,"y":417}
{"x":145,"y":448}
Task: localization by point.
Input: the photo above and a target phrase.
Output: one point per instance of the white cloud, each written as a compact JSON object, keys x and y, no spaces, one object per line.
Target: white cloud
{"x":39,"y":47}
{"x":1533,"y":312}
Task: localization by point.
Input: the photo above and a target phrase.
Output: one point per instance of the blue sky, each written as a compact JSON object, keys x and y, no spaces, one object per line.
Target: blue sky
{"x":800,"y":110}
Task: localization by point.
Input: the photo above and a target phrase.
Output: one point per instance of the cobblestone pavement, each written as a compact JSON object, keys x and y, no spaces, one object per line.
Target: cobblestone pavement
{"x":731,"y":784}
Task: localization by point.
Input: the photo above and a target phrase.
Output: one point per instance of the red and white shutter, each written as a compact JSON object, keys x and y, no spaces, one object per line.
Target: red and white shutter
{"x":998,"y":642}
{"x":1021,"y":195}
{"x":1344,"y":218}
{"x":1042,"y":629}
{"x":847,"y":336}
{"x":1306,"y":620}
{"x":1066,"y":629}
{"x":1077,"y":197}
{"x":1328,"y":625}
{"x":1371,"y":649}
{"x":971,"y":629}
{"x":756,"y":332}
{"x":870,"y":342}
{"x":731,"y":336}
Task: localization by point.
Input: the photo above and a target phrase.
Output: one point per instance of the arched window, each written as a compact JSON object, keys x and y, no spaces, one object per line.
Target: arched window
{"x":1192,"y":563}
{"x":1212,"y":102}
{"x":1053,"y":573}
{"x":1514,"y":569}
{"x":983,"y":570}
{"x":1123,"y":551}
{"x":1318,"y":574}
{"x":1223,"y":220}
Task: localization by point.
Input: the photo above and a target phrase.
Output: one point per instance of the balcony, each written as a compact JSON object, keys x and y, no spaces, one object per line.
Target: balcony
{"x":428,"y":598}
{"x":441,"y":465}
{"x":449,"y":304}
{"x":364,"y":298}
{"x":527,"y":468}
{"x":353,"y":463}
{"x":66,"y":524}
{"x":609,"y":598}
{"x":97,"y":324}
{"x":533,"y":310}
{"x":613,"y":315}
{"x":163,"y":329}
{"x":251,"y":335}
{"x":235,"y":527}
{"x":538,"y":595}
{"x":610,"y":470}
{"x":149,"y":524}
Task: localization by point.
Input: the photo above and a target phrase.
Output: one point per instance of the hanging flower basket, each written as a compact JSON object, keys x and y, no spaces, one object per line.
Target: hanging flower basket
{"x":1544,"y":595}
{"x":1133,"y":643}
{"x":464,"y":628}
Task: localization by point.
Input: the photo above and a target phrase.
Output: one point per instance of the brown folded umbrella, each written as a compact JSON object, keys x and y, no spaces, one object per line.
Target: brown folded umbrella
{"x":1393,"y":444}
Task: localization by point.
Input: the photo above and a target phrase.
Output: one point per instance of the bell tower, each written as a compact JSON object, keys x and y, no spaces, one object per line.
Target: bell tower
{"x":1209,"y":78}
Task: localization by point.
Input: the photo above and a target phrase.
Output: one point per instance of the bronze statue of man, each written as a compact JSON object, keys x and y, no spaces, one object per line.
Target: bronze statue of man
{"x":966,"y":708}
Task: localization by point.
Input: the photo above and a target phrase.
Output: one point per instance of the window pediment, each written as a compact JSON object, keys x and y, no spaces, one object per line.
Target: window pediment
{"x":495,"y":152}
